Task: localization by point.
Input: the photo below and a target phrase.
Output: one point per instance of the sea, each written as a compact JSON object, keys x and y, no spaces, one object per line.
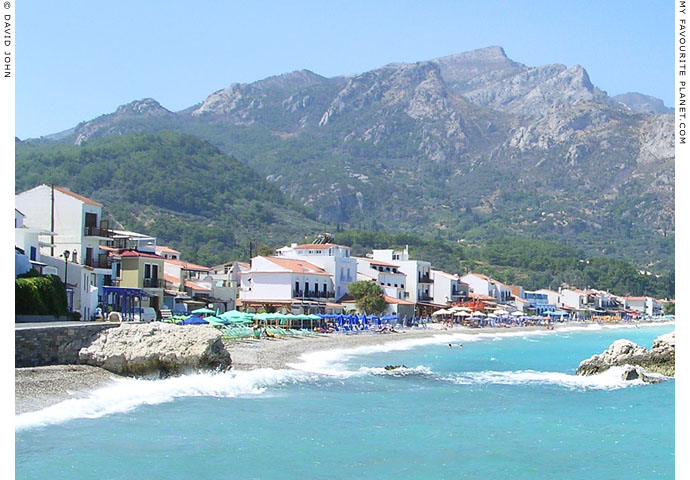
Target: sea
{"x":504,"y":406}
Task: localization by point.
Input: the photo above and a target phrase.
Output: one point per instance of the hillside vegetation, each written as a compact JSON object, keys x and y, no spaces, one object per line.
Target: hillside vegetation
{"x":176,"y":187}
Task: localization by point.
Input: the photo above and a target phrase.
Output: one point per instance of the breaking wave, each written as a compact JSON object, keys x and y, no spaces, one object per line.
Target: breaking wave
{"x":126,"y":394}
{"x":608,"y":380}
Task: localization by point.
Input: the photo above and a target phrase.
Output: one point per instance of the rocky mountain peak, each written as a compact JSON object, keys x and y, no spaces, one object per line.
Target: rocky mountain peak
{"x":146,"y":107}
{"x":291,"y":81}
{"x":640,"y":103}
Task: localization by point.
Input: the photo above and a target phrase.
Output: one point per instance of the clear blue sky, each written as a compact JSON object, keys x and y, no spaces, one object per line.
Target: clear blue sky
{"x":76,"y":60}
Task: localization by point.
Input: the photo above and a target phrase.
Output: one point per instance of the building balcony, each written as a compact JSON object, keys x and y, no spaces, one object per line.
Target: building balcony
{"x":312,"y":294}
{"x":424,"y":298}
{"x":102,"y":261}
{"x":97,"y":232}
{"x":111,"y":282}
{"x":424,"y":279}
{"x":153,"y":283}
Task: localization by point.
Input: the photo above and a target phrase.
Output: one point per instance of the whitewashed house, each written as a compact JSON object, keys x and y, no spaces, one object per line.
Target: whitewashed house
{"x":483,"y":285}
{"x":75,"y":219}
{"x":334,"y":259}
{"x":418,"y":283}
{"x":385,"y":275}
{"x":573,"y":298}
{"x":552,"y":297}
{"x":286,"y":282}
{"x":448,"y":288}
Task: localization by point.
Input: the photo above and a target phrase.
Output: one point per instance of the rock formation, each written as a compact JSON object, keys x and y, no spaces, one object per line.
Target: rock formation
{"x":156,"y":349}
{"x":660,"y":359}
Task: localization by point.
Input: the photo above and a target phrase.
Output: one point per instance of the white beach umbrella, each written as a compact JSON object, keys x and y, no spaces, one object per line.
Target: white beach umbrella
{"x":492,"y":315}
{"x":462,"y":314}
{"x":518,"y":314}
{"x":479,"y":314}
{"x":440,"y":312}
{"x":501,"y":312}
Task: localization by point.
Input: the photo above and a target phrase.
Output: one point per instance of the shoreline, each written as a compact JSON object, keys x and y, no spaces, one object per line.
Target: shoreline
{"x":40,"y":387}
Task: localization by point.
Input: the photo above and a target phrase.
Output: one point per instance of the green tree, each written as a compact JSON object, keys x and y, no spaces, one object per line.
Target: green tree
{"x":669,"y":308}
{"x":368,"y":297}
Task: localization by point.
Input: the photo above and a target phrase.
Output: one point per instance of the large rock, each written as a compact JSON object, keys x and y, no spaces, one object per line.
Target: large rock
{"x":660,"y":359}
{"x":156,"y":349}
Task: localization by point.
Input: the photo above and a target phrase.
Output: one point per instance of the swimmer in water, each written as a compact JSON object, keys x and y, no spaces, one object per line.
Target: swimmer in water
{"x":450,"y":345}
{"x":460,"y":346}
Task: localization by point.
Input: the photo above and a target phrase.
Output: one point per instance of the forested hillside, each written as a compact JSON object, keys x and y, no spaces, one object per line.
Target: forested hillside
{"x":176,"y":187}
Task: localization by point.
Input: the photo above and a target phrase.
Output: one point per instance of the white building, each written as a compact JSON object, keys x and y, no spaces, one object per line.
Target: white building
{"x":484,"y":285}
{"x":552,"y":297}
{"x":644,"y":305}
{"x":75,"y":219}
{"x":418,"y":282}
{"x":448,"y":288}
{"x":286,"y":281}
{"x":576,"y":299}
{"x":384,"y":274}
{"x":27,"y":239}
{"x":334,"y":259}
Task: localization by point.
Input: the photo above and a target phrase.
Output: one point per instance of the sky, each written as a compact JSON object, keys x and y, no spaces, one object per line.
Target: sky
{"x":76,"y":60}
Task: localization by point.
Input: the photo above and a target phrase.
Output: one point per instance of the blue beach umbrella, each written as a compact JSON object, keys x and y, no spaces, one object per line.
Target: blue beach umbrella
{"x":193,"y":320}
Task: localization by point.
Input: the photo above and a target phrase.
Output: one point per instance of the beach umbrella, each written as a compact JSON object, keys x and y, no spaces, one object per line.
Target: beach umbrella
{"x":440,"y":312}
{"x":203,"y":310}
{"x":462,"y":314}
{"x":462,"y":309}
{"x":501,"y":312}
{"x":217,"y":321}
{"x":478,"y":314}
{"x":518,"y":314}
{"x":193,"y":320}
{"x":235,"y":314}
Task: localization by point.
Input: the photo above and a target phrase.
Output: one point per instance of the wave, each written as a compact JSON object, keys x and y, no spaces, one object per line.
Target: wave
{"x":608,"y":380}
{"x":126,"y":394}
{"x":332,"y":362}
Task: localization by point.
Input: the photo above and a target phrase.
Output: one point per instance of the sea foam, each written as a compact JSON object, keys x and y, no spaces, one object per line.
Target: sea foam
{"x":125,"y":394}
{"x":608,"y":380}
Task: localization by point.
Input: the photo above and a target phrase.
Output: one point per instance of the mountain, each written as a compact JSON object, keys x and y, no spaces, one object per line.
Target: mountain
{"x":467,"y":147}
{"x":179,"y":188}
{"x":640,"y":103}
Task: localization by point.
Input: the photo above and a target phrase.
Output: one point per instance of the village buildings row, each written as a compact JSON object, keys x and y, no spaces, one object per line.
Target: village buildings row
{"x":61,"y":232}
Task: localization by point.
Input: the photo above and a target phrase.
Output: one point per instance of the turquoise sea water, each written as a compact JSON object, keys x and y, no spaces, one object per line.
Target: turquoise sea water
{"x":506,"y":406}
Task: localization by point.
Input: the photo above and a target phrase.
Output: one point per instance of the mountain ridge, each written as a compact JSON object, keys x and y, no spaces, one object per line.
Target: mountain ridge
{"x":469,"y":145}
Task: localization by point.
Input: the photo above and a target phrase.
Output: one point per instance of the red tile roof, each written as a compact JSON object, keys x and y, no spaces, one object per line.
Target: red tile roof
{"x":396,"y":301}
{"x":166,"y":249}
{"x":186,"y":265}
{"x":170,"y":278}
{"x":297,"y":266}
{"x":377,"y":262}
{"x":136,"y":253}
{"x":196,"y":286}
{"x":81,"y":198}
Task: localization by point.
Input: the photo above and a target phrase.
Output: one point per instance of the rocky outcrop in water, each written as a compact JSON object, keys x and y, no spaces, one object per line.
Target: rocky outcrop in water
{"x":157,"y":349}
{"x":660,"y":359}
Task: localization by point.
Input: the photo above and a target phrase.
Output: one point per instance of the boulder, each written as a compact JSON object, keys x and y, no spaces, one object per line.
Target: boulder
{"x":660,"y":359}
{"x":156,"y":348}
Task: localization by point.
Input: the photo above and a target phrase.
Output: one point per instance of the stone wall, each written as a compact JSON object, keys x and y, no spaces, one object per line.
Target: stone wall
{"x":53,"y":345}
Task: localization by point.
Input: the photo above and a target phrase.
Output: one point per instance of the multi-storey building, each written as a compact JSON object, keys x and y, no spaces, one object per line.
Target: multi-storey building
{"x":334,"y":259}
{"x":418,"y":282}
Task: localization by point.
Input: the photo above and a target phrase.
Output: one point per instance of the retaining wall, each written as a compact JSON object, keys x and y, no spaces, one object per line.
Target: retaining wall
{"x":53,"y":345}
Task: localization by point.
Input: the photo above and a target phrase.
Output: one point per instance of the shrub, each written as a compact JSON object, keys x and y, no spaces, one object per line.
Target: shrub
{"x":43,"y":295}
